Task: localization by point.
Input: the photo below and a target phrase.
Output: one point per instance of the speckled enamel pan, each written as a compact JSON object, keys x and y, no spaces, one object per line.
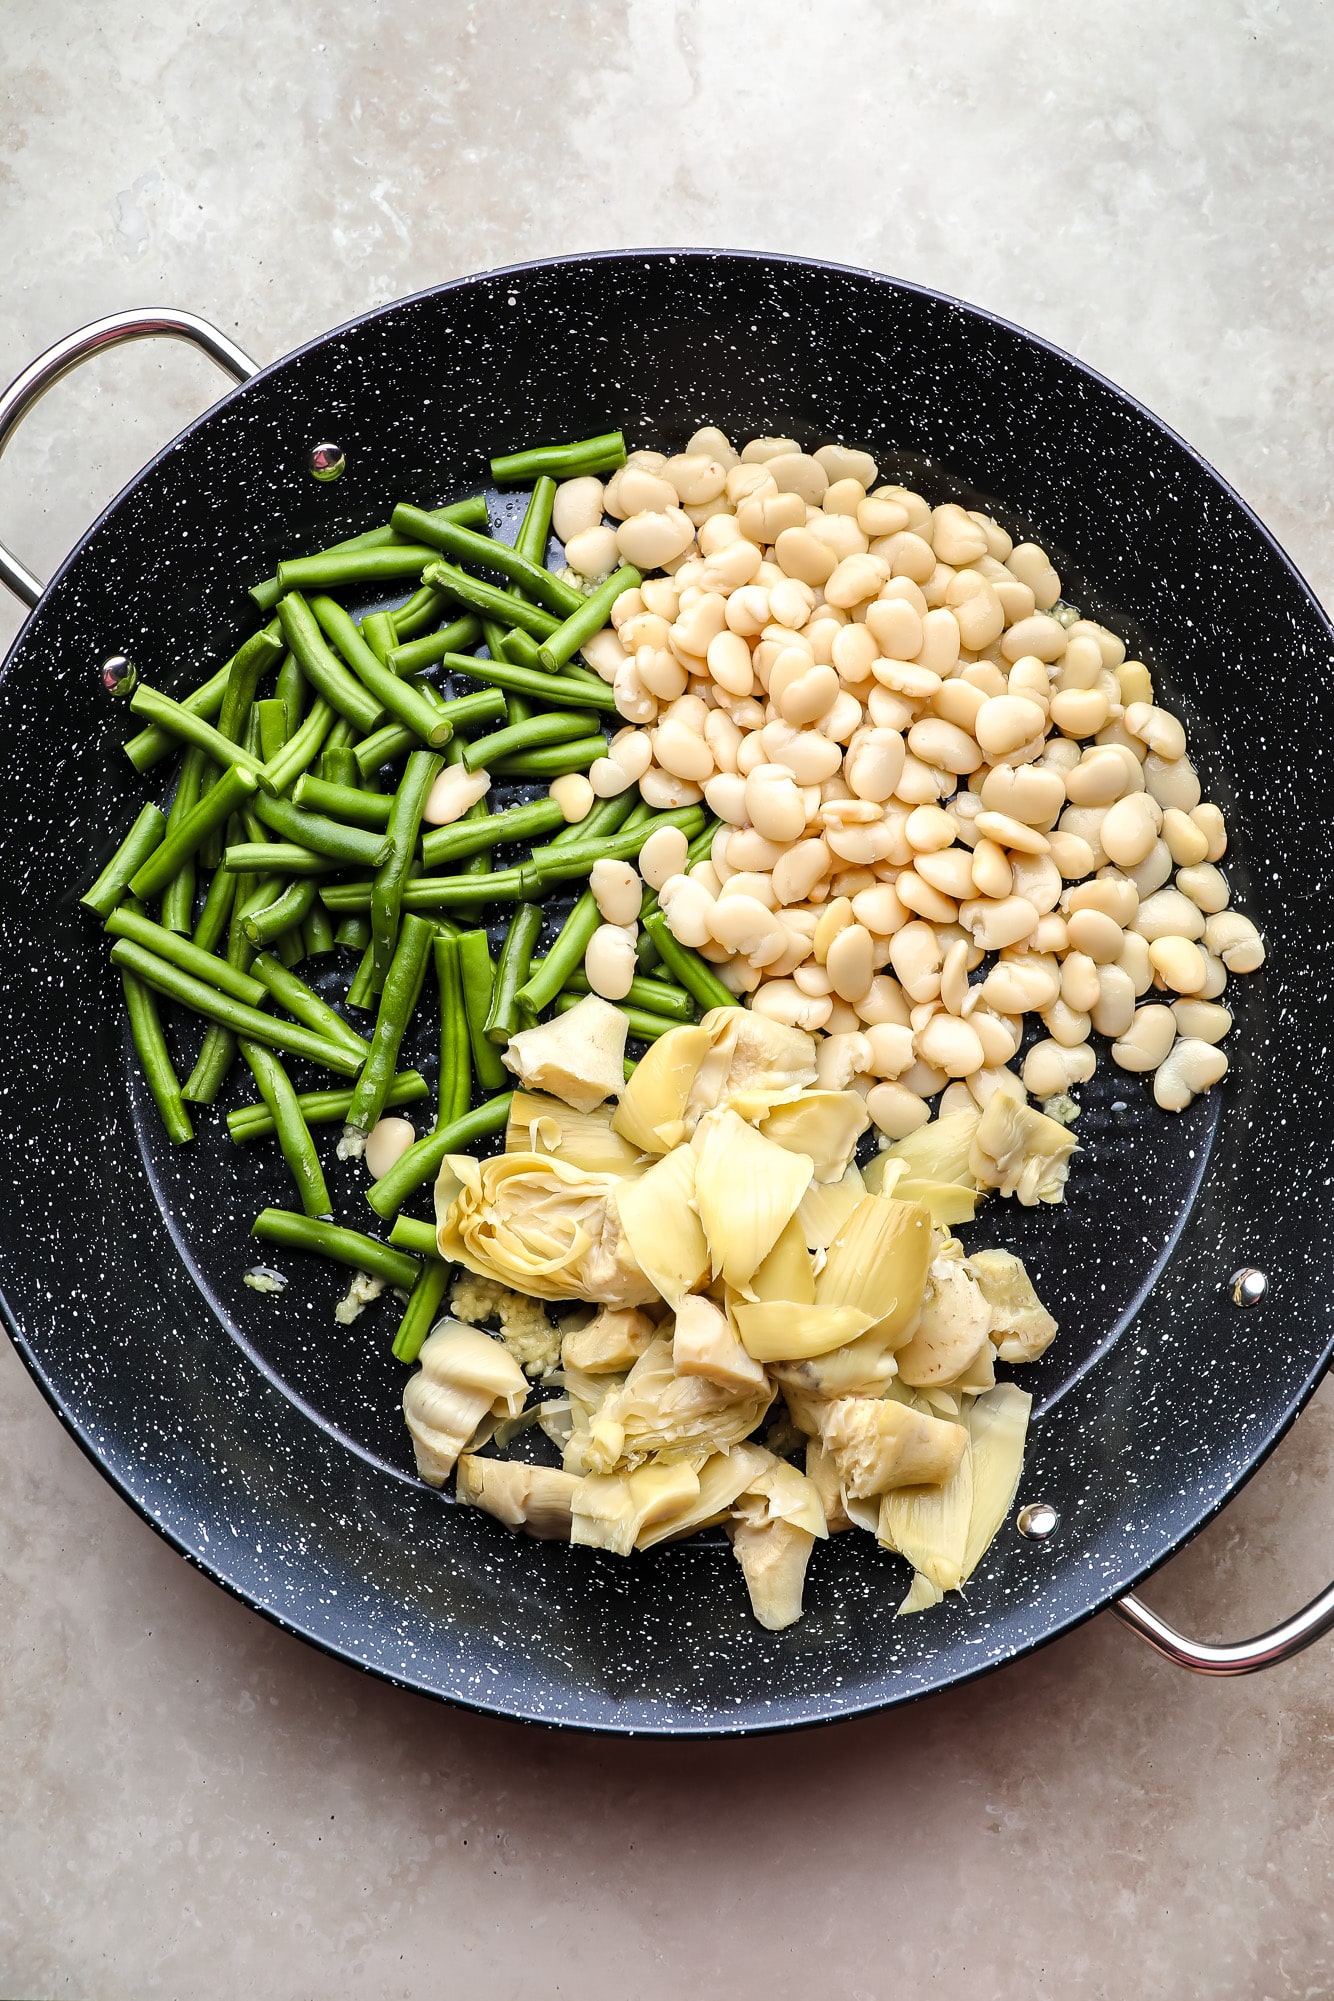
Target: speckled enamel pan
{"x":264,"y":1442}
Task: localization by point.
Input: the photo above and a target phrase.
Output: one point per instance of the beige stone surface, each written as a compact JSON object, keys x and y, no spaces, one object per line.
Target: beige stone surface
{"x":194,"y":1805}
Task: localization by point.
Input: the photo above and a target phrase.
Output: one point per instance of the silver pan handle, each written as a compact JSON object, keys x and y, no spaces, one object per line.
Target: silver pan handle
{"x":1280,"y":1643}
{"x":39,"y":375}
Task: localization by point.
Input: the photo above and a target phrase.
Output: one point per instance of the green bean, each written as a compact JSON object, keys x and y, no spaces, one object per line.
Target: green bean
{"x":361,"y":993}
{"x":150,"y":1046}
{"x":565,"y":957}
{"x":464,"y":546}
{"x":247,"y":667}
{"x":462,"y":838}
{"x":701,"y":844}
{"x":322,"y":1108}
{"x":419,"y":1314}
{"x":317,"y":936}
{"x":608,"y":816}
{"x":516,"y":959}
{"x":531,"y":540}
{"x":398,"y":998}
{"x":413,"y":654}
{"x":347,"y":803}
{"x":578,"y":684}
{"x":322,"y":667}
{"x":337,"y":568}
{"x":605,"y":453}
{"x":401,"y":699}
{"x":306,"y":1006}
{"x":153,"y":744}
{"x":569,"y":860}
{"x":384,"y":745}
{"x":290,"y":946}
{"x":213,"y":810}
{"x":233,"y":1014}
{"x":455,"y":1088}
{"x":422,"y":1161}
{"x":590,"y":616}
{"x":554,"y":761}
{"x":216,"y":1055}
{"x":342,"y":736}
{"x":352,"y":930}
{"x":178,"y":898}
{"x":691,"y":972}
{"x":423,"y":609}
{"x":217,"y":910}
{"x":477,"y":976}
{"x":656,"y":996}
{"x":273,"y":731}
{"x":377,"y":629}
{"x":410,"y":1233}
{"x":192,"y":729}
{"x":284,"y":1108}
{"x":639,"y":815}
{"x":291,"y":688}
{"x":301,"y":748}
{"x":547,"y":689}
{"x":471,"y":512}
{"x":143,"y":840}
{"x":338,"y":766}
{"x":373,"y":751}
{"x":275,"y":858}
{"x":184,"y":953}
{"x":356,"y":847}
{"x":518,"y":709}
{"x":275,"y":919}
{"x":489,"y":600}
{"x":470,"y":892}
{"x":555,"y":727}
{"x":345,"y":1247}
{"x":422,"y":769}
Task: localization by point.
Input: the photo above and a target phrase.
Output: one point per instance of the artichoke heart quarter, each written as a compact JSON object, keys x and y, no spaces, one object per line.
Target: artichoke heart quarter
{"x":464,"y":1377}
{"x":579,"y":1057}
{"x":1021,"y":1152}
{"x":652,"y":1111}
{"x":824,"y":1124}
{"x":747,"y":1189}
{"x":535,"y":1223}
{"x":539,"y":1124}
{"x":658,"y":1216}
{"x":878,"y":1263}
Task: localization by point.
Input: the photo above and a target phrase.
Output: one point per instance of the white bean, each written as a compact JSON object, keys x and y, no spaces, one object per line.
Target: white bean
{"x":1156,"y":727}
{"x":1179,"y":964}
{"x":650,"y":539}
{"x":573,"y":794}
{"x":1032,"y":566}
{"x":592,"y":553}
{"x":1235,"y":940}
{"x":1148,"y":1039}
{"x":1193,"y":1066}
{"x":662,"y":790}
{"x":577,"y":506}
{"x":1167,"y":913}
{"x":798,"y":869}
{"x":1050,"y":1068}
{"x":617,"y":891}
{"x":896,"y":1110}
{"x":1206,"y":886}
{"x":744,"y":925}
{"x":662,"y":856}
{"x":453,"y":792}
{"x":609,"y":961}
{"x":1206,"y":1020}
{"x":1114,"y":1009}
{"x":687,"y":906}
{"x":951,"y":1045}
{"x":781,"y":1000}
{"x":387,"y":1142}
{"x":995,"y":923}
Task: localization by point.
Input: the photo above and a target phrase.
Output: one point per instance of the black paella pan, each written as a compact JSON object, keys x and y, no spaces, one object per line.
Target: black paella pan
{"x":266,"y":1444}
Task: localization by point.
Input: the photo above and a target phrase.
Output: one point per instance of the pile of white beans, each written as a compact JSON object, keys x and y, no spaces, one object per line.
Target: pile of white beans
{"x":920,"y":757}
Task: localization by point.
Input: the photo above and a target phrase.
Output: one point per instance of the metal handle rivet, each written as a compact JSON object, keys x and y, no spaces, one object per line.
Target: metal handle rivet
{"x":326,"y":461}
{"x":1037,"y":1520}
{"x":1247,"y":1286}
{"x":120,"y":676}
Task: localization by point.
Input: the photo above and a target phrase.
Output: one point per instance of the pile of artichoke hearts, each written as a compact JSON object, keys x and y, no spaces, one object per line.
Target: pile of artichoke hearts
{"x":742,"y":1280}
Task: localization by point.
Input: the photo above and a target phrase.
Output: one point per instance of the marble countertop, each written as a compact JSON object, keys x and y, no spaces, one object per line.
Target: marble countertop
{"x":193,"y":1804}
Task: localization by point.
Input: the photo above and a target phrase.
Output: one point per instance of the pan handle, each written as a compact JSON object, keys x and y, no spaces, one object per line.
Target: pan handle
{"x":1280,"y":1643}
{"x":39,"y":375}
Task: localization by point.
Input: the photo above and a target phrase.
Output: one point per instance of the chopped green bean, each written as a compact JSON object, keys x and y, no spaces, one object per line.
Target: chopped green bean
{"x":275,"y":858}
{"x":566,"y":861}
{"x":422,"y":769}
{"x":345,"y":1247}
{"x":423,"y":1159}
{"x":213,"y":918}
{"x":413,"y":654}
{"x":183,"y":952}
{"x":503,"y":1019}
{"x":347,"y":803}
{"x":394,"y":739}
{"x":471,"y":512}
{"x":565,"y":957}
{"x":338,"y":766}
{"x":402,"y":699}
{"x":317,"y":936}
{"x":322,"y":1108}
{"x":554,"y":727}
{"x":192,"y":729}
{"x":462,"y":838}
{"x":216,"y":1055}
{"x":178,"y":898}
{"x":273,"y":731}
{"x":167,"y":979}
{"x":423,"y":1305}
{"x":153,"y":744}
{"x":213,"y":810}
{"x":246,"y":669}
{"x":306,"y":1005}
{"x":544,"y":688}
{"x":291,"y":688}
{"x":589,"y":617}
{"x":553,"y":761}
{"x":143,"y":840}
{"x":274,"y":920}
{"x":523,"y":650}
{"x":377,"y":629}
{"x":155,"y":1059}
{"x":464,"y":546}
{"x":301,"y":748}
{"x":398,"y":998}
{"x":608,"y":816}
{"x":490,"y":601}
{"x":696,"y":975}
{"x":356,"y":847}
{"x":605,"y":453}
{"x":531,"y":540}
{"x":323,"y":669}
{"x":284,"y":1108}
{"x":361,"y":993}
{"x":477,"y":976}
{"x":352,"y":930}
{"x":455,"y":1089}
{"x":338,"y":568}
{"x":410,"y":1233}
{"x":656,"y":996}
{"x":418,"y":613}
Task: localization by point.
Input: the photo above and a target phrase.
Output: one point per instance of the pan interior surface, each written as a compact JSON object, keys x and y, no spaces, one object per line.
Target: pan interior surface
{"x":265,"y":1440}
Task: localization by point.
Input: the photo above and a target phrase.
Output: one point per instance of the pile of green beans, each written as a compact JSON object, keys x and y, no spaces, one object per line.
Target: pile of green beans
{"x":299,"y":824}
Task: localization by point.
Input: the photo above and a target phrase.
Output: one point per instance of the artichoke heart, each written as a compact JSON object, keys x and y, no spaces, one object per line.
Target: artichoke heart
{"x":721,"y":1479}
{"x":922,"y":1594}
{"x":578,"y":1057}
{"x":938,"y":1152}
{"x":879,"y":1443}
{"x":878,"y":1263}
{"x":658,"y":1216}
{"x":787,"y":1272}
{"x":540,"y":1124}
{"x":997,"y":1429}
{"x":786,"y":1330}
{"x":535,"y":1223}
{"x":929,"y":1525}
{"x":824,"y":1124}
{"x":947,"y":1203}
{"x":1021,"y":1152}
{"x":464,"y":1377}
{"x":534,"y":1498}
{"x":746,"y":1190}
{"x":652,"y":1111}
{"x":668,"y":1416}
{"x":823,"y":1475}
{"x":826,"y":1206}
{"x":773,"y":1559}
{"x":955,"y":1324}
{"x":610,"y":1510}
{"x":705,"y":1343}
{"x":750,"y":1057}
{"x":781,"y":1493}
{"x":614,"y":1339}
{"x":1021,"y":1326}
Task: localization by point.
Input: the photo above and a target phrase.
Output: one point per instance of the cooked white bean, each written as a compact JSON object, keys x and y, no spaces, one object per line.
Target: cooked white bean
{"x":1172,"y":781}
{"x":849,"y":962}
{"x":1097,"y":935}
{"x":1156,"y":727}
{"x":781,"y":1000}
{"x":1004,"y":724}
{"x":1192,"y":1067}
{"x":1167,"y":913}
{"x":1032,"y":566}
{"x":687,"y":906}
{"x":617,"y":891}
{"x":1080,"y":984}
{"x":593,"y":552}
{"x":1235,"y":940}
{"x":662,"y":790}
{"x":1206,"y":1020}
{"x":662,"y":856}
{"x":1210,"y":820}
{"x":453,"y":792}
{"x":943,"y":746}
{"x":1146,"y":1042}
{"x":1130,"y":828}
{"x":1010,"y":833}
{"x":1072,"y":856}
{"x":1206,"y":886}
{"x":1112,"y":893}
{"x":1026,"y":792}
{"x":1153,"y":871}
{"x":605,"y":654}
{"x":576,"y":507}
{"x":609,"y":961}
{"x":1134,"y":961}
{"x":1042,"y":637}
{"x":996,"y":922}
{"x":1187,"y":843}
{"x":387,"y":1141}
{"x":896,"y":1110}
{"x":696,"y":476}
{"x":951,"y":1045}
{"x":992,"y":874}
{"x":1114,"y":1009}
{"x":1179,"y":964}
{"x":682,"y":752}
{"x":574,"y":795}
{"x":775,"y":804}
{"x":652,"y":538}
{"x":1050,"y":1068}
